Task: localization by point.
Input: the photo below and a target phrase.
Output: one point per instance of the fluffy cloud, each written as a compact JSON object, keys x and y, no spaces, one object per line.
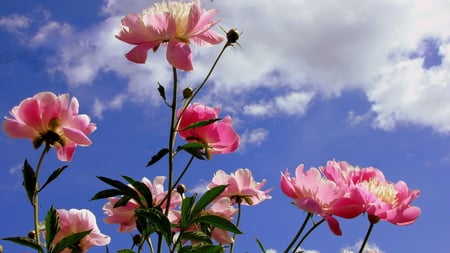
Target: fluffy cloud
{"x":14,"y":22}
{"x":291,"y":51}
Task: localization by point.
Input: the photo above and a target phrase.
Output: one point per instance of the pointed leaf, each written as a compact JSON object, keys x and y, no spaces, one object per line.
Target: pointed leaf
{"x":126,"y":190}
{"x":196,"y":236}
{"x":202,"y":248}
{"x":218,"y":222}
{"x":186,"y":207}
{"x":25,"y":241}
{"x":142,"y":189}
{"x":200,"y":124}
{"x":71,"y":241}
{"x":122,"y":201}
{"x":158,"y":156}
{"x":54,"y":175}
{"x":208,"y":197}
{"x":52,"y":226}
{"x":29,"y":180}
{"x":162,"y":91}
{"x":107,"y":194}
{"x":159,"y":221}
{"x":194,"y":148}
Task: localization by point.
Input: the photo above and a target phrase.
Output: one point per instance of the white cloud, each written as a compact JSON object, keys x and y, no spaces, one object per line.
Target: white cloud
{"x":369,"y":248}
{"x":293,"y":51}
{"x":255,"y":137}
{"x":100,"y":106}
{"x":14,"y":22}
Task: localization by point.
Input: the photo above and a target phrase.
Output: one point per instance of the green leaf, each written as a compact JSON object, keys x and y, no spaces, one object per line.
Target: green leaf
{"x":194,"y":148}
{"x":218,"y":222}
{"x":52,"y":226}
{"x":25,"y":241}
{"x":72,"y":242}
{"x":162,"y":91}
{"x":29,"y":180}
{"x":260,"y":244}
{"x":158,"y":156}
{"x":122,"y":201}
{"x":126,"y":190}
{"x":186,"y":207}
{"x":208,"y":197}
{"x":156,"y":218}
{"x":54,"y":175}
{"x":125,"y":251}
{"x":142,"y":189}
{"x":107,"y":194}
{"x":202,"y":248}
{"x":196,"y":236}
{"x":200,"y":124}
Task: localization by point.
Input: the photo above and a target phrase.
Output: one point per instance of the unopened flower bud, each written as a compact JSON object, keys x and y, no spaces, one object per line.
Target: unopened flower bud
{"x":181,"y":189}
{"x":1,"y":249}
{"x":32,"y":234}
{"x":187,"y":92}
{"x":232,"y":36}
{"x":137,"y":239}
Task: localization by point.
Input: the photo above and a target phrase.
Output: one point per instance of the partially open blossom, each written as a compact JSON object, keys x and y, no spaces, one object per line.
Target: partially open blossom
{"x":242,"y":188}
{"x":75,"y":221}
{"x":175,"y":24}
{"x":126,"y":216}
{"x":381,"y":199}
{"x":315,"y":194}
{"x":47,"y":118}
{"x":219,"y":136}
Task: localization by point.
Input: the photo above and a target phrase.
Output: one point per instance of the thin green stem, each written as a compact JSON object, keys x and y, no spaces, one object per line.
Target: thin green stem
{"x":238,"y":220}
{"x":300,"y":231}
{"x":183,"y":172}
{"x":35,"y":202}
{"x":307,"y":234}
{"x":366,"y":238}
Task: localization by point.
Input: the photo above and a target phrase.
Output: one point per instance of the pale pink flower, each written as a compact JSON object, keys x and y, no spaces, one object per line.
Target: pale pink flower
{"x":376,"y":196}
{"x":174,"y":24}
{"x":76,"y":221}
{"x":219,"y":137}
{"x":242,"y":188}
{"x":126,"y":216}
{"x":47,"y":118}
{"x":315,"y":194}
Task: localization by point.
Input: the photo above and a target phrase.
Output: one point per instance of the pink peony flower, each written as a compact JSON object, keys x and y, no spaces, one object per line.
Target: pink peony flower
{"x":47,"y":118}
{"x":241,"y":187}
{"x":75,"y":221}
{"x":125,"y":215}
{"x":315,"y":194}
{"x":220,"y":136}
{"x":381,"y":199}
{"x":174,"y":24}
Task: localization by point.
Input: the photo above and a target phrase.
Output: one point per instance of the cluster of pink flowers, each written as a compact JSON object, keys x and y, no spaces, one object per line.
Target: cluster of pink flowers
{"x":241,"y":185}
{"x":342,"y":190}
{"x":51,"y":119}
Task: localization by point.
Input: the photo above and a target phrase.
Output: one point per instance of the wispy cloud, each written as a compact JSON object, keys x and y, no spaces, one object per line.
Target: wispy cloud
{"x":253,"y":137}
{"x":369,"y":248}
{"x":14,"y":22}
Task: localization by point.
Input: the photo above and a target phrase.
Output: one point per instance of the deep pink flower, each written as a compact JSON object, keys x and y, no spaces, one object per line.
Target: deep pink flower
{"x":376,"y":196}
{"x":220,"y":136}
{"x":314,"y":194}
{"x":47,"y":118}
{"x":126,"y":216}
{"x":242,"y":188}
{"x":75,"y":221}
{"x":174,"y":24}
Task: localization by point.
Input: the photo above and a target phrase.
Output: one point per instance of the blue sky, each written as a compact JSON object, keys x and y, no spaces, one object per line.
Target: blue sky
{"x":362,"y":81}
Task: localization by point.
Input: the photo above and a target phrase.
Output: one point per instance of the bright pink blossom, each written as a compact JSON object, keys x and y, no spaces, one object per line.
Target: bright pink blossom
{"x":314,"y":194}
{"x":126,"y":216}
{"x":75,"y":221}
{"x":219,"y":136}
{"x":242,"y":188}
{"x":376,"y":196}
{"x":174,"y":24}
{"x":47,"y":118}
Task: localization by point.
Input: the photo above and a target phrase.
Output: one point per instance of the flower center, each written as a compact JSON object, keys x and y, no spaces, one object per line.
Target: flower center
{"x":383,"y":190}
{"x":179,"y":12}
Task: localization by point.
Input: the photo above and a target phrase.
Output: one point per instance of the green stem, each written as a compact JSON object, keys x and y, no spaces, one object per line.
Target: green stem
{"x":366,"y":238}
{"x":183,"y":172}
{"x":307,"y":233}
{"x":300,"y":231}
{"x":237,"y":225}
{"x":35,"y":202}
